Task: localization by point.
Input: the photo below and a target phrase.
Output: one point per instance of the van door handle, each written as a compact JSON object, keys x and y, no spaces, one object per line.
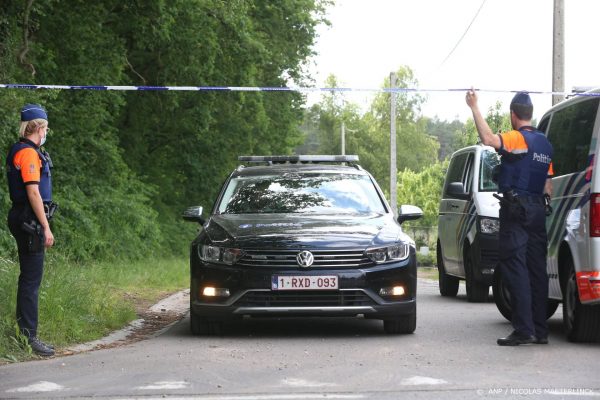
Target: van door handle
{"x":453,"y":206}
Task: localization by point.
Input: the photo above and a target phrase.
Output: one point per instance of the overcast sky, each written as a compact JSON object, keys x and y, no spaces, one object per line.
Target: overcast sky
{"x":508,"y":47}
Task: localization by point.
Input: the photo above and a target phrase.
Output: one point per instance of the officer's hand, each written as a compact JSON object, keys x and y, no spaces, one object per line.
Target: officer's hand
{"x":49,"y":237}
{"x":471,"y":98}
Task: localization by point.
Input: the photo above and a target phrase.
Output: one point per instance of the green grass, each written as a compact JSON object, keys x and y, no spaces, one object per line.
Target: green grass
{"x":428,"y":273}
{"x":83,"y":302}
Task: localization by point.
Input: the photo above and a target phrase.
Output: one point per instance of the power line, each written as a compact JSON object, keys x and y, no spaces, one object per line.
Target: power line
{"x":464,"y":34}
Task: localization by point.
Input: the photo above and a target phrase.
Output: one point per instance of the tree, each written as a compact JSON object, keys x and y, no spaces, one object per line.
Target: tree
{"x":368,"y":135}
{"x":128,"y":163}
{"x":468,"y":135}
{"x":415,"y":148}
{"x":445,"y":132}
{"x":423,"y":189}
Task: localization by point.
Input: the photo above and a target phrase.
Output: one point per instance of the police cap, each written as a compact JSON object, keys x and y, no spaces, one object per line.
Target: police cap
{"x":30,"y":112}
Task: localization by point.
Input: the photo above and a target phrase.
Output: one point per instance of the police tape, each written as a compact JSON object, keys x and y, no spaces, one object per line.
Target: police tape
{"x":301,"y":89}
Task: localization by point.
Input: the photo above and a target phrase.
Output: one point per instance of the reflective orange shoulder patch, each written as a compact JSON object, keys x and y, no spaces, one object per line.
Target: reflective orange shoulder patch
{"x":28,"y":162}
{"x":514,"y":142}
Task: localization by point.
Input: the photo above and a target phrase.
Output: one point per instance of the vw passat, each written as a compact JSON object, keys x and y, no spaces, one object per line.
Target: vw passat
{"x":302,"y":236}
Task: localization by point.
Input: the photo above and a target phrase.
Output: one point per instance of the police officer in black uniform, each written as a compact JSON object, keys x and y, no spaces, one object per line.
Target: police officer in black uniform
{"x":525,"y":185}
{"x":30,"y":186}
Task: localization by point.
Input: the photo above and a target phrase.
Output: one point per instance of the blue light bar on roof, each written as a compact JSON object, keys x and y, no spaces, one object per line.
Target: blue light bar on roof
{"x":302,"y":158}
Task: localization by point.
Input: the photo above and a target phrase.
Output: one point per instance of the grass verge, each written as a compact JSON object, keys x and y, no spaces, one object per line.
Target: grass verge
{"x":428,"y":273}
{"x":83,"y":302}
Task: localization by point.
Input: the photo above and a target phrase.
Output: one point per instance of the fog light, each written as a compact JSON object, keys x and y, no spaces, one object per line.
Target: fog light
{"x":210,"y":291}
{"x":392,"y":291}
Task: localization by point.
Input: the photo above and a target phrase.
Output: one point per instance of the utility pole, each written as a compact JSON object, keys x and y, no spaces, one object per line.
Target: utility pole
{"x":343,"y":138}
{"x":393,"y":168}
{"x":558,"y":50}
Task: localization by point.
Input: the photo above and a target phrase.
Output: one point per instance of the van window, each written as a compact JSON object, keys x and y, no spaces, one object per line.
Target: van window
{"x":570,"y":134}
{"x":543,"y":125}
{"x":456,"y":170}
{"x":489,"y":160}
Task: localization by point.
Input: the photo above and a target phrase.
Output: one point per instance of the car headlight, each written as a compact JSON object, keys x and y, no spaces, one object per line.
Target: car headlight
{"x":489,"y":225}
{"x":219,"y":255}
{"x":396,"y":252}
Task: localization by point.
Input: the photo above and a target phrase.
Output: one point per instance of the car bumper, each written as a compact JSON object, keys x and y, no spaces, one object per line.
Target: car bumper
{"x":485,"y":255}
{"x":250,"y":292}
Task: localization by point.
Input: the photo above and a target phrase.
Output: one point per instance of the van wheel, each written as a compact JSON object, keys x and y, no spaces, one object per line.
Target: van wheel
{"x":448,"y":284}
{"x":501,"y":295}
{"x":581,"y":322}
{"x":477,"y":292}
{"x":402,"y":324}
{"x":502,"y":298}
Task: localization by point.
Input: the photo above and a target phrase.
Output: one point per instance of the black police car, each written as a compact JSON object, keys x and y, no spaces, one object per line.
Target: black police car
{"x":302,"y":236}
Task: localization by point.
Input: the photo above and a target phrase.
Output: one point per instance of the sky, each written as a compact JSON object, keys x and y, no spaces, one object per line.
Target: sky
{"x":508,"y":47}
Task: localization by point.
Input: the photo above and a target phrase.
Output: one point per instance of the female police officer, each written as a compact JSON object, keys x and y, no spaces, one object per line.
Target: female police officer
{"x":524,"y":178}
{"x":30,"y":186}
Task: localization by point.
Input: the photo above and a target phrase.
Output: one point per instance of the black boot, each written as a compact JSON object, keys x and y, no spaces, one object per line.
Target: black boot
{"x":516,"y":339}
{"x":40,"y":348}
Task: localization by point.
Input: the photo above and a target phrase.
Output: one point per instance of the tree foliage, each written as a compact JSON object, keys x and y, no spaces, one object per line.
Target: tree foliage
{"x":423,"y":188}
{"x":497,"y":121}
{"x":367,"y":134}
{"x":128,"y":163}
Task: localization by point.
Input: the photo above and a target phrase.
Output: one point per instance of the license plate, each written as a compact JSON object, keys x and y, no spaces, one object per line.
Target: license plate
{"x":320,"y":282}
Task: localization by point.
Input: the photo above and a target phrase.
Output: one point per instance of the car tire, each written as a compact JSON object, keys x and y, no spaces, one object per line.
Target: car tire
{"x":581,"y":322}
{"x":502,"y":298}
{"x":448,"y":284}
{"x":404,"y":324}
{"x":477,"y":292}
{"x":501,"y":295}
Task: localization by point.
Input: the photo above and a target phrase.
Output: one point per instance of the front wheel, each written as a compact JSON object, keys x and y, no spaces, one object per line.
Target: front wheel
{"x":501,"y":295}
{"x":448,"y":284}
{"x":403,"y":324}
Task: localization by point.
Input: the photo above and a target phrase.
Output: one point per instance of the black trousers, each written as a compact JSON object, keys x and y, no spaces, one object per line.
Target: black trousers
{"x":30,"y":278}
{"x":523,"y":250}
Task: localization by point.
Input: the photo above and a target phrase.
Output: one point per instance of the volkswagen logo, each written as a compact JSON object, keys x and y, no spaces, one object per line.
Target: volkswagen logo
{"x":305,"y":259}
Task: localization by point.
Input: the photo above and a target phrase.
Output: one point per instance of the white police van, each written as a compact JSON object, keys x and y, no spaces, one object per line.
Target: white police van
{"x":573,"y":128}
{"x":467,"y":246}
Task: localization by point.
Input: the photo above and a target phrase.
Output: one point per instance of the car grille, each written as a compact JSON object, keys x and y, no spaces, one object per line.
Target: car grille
{"x":343,"y":298}
{"x":354,"y":258}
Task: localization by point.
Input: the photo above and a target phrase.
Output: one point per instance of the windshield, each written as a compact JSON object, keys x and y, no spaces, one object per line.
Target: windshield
{"x":489,"y":160}
{"x":317,"y":193}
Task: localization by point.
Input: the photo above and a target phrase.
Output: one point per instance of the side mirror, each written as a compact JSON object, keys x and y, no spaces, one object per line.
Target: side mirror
{"x":407,"y":213}
{"x":456,"y":189}
{"x":194,"y":214}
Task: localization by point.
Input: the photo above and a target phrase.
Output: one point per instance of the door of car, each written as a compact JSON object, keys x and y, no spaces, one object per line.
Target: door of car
{"x":453,"y":210}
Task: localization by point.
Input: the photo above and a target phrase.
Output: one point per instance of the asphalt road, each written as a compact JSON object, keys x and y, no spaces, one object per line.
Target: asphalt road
{"x":452,"y":355}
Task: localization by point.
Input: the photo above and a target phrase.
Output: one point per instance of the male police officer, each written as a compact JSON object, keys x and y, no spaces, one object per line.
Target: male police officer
{"x":524,"y":178}
{"x":30,"y":186}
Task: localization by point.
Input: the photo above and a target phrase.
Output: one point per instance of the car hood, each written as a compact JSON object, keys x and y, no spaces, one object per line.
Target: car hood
{"x":277,"y":231}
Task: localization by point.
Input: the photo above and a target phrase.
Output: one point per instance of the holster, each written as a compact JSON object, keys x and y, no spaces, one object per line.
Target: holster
{"x":35,"y":235}
{"x":33,"y":228}
{"x":514,"y":207}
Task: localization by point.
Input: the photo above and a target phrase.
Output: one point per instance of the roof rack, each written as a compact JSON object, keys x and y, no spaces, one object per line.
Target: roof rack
{"x":353,"y":159}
